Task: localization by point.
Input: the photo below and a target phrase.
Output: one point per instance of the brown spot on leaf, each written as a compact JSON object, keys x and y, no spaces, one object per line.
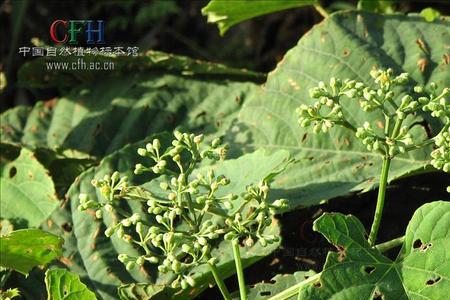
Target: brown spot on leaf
{"x":346,"y":52}
{"x":341,"y":252}
{"x":422,"y":46}
{"x":446,"y":58}
{"x":66,"y":261}
{"x":380,"y":124}
{"x":49,"y":223}
{"x":50,"y":104}
{"x":422,"y":64}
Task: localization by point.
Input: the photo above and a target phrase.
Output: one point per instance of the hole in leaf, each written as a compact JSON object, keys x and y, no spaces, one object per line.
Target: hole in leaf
{"x":417,"y":244}
{"x":425,"y":247}
{"x":317,"y":284}
{"x":265,"y":293}
{"x":341,"y":252}
{"x":66,"y":227}
{"x":369,"y":269}
{"x":12,"y":172}
{"x":433,"y":281}
{"x":377,"y":296}
{"x":304,"y":137}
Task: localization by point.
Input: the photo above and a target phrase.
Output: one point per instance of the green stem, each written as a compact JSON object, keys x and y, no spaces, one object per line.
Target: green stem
{"x":294,"y":290}
{"x":397,"y":126}
{"x":220,"y":284}
{"x":383,"y":247}
{"x":321,"y":10}
{"x":239,"y":269}
{"x":380,"y":200}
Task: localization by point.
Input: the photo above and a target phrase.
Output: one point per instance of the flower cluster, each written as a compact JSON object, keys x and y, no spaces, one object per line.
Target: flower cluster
{"x":186,"y":215}
{"x":327,"y":110}
{"x":441,"y":155}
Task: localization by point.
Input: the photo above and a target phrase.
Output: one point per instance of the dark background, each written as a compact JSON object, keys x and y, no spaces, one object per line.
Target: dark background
{"x":178,"y":27}
{"x":174,"y":26}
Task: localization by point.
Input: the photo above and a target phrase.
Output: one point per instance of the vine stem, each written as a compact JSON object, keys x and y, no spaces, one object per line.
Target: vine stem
{"x":294,"y":290}
{"x":220,"y":284}
{"x":380,"y":201}
{"x":239,"y":269}
{"x":321,"y":10}
{"x":383,"y":247}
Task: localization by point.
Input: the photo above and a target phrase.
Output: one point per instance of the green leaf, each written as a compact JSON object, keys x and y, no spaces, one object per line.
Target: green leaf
{"x":279,"y":283}
{"x":24,"y":249}
{"x":346,"y":45}
{"x":64,"y":285}
{"x":227,"y":14}
{"x":358,"y":271}
{"x":35,"y":74}
{"x":430,"y":14}
{"x":430,"y":222}
{"x":99,"y":253}
{"x":102,"y":116}
{"x":27,"y":191}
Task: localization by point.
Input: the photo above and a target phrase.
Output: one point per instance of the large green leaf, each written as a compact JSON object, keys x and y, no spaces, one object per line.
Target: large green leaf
{"x":227,"y":14}
{"x":100,"y":117}
{"x":27,"y":191}
{"x":24,"y":249}
{"x":99,"y":253}
{"x":36,"y":74}
{"x":106,"y":112}
{"x":64,"y":285}
{"x":346,"y":45}
{"x":358,"y":271}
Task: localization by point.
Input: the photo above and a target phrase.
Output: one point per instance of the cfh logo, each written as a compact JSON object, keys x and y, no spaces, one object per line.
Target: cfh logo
{"x":94,"y":31}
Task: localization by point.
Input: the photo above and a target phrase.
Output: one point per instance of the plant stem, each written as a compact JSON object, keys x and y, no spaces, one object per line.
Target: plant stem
{"x":239,"y":269}
{"x":380,"y":201}
{"x":294,"y":290}
{"x":321,"y":10}
{"x":383,"y":247}
{"x":220,"y":284}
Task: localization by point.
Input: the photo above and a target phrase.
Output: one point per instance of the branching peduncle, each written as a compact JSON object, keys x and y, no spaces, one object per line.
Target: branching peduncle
{"x":396,"y":139}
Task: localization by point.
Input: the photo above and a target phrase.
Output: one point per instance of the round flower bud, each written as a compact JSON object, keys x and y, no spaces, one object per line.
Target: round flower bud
{"x":190,"y":280}
{"x":122,"y":257}
{"x":130,"y":265}
{"x":140,"y":260}
{"x":98,"y":213}
{"x":109,"y":231}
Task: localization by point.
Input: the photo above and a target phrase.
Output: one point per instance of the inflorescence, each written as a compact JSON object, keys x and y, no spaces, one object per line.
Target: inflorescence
{"x":328,"y":111}
{"x":191,"y":217}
